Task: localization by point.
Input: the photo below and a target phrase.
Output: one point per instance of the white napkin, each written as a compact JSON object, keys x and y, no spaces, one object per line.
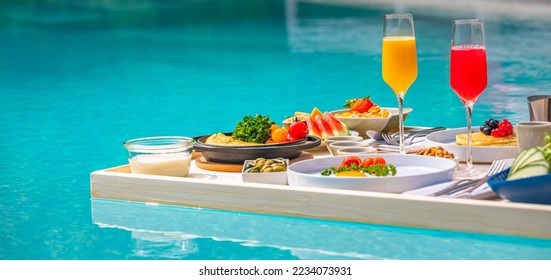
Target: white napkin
{"x":482,"y":192}
{"x":432,"y":189}
{"x":429,"y":190}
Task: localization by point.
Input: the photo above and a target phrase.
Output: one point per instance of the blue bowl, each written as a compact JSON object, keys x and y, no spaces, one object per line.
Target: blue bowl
{"x":535,"y":189}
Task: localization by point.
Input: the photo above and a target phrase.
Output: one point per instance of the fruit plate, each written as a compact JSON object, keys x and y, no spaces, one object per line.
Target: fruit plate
{"x":485,"y":154}
{"x":413,"y":172}
{"x":238,"y":154}
{"x":378,"y":124}
{"x":535,"y":189}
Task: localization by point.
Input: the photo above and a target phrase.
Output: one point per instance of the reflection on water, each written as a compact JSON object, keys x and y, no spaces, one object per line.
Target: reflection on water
{"x":168,"y":232}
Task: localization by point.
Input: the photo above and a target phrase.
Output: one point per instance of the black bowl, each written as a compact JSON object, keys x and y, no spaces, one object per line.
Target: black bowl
{"x":238,"y":154}
{"x":201,"y":140}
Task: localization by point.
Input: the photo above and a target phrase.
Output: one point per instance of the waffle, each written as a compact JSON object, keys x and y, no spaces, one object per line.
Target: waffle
{"x":480,"y":139}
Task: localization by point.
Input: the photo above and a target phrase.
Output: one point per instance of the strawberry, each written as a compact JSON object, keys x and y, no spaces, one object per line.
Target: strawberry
{"x":360,"y":105}
{"x":498,"y":133}
{"x":366,"y":106}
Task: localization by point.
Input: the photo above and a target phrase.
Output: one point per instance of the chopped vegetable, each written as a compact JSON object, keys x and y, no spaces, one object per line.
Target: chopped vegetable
{"x":349,"y":165}
{"x":253,"y":129}
{"x":547,"y":148}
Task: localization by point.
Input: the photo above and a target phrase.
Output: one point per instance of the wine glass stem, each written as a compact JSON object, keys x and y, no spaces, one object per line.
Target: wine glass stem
{"x":400,"y":96}
{"x":469,"y":108}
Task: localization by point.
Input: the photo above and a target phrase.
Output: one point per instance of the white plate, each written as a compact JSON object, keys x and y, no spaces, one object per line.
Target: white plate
{"x":413,"y":172}
{"x":486,"y":154}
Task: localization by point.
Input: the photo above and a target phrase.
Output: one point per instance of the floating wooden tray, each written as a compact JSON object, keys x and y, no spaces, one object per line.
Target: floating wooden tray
{"x":222,"y":190}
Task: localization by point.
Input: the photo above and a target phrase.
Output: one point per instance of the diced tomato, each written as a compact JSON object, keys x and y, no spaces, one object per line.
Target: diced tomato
{"x":352,"y":160}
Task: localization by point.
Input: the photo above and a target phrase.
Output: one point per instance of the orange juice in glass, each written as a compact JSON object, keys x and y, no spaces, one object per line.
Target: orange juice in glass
{"x":399,"y":60}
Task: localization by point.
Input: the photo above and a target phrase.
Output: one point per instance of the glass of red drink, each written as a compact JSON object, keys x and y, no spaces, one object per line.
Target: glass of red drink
{"x":468,"y":73}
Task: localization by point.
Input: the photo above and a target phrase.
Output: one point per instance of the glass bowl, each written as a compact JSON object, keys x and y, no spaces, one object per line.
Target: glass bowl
{"x":160,"y":155}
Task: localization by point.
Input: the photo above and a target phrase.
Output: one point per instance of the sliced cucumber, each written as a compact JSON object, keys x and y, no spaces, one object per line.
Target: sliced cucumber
{"x":530,"y":170}
{"x":521,"y":157}
{"x":526,"y":157}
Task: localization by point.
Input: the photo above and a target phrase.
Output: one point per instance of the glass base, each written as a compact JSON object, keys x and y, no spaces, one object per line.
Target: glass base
{"x":463,"y":172}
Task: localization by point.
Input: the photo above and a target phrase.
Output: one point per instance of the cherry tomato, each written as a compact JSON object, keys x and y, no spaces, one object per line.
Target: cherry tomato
{"x":279,"y":135}
{"x":368,"y":162}
{"x":379,"y":160}
{"x":352,"y":160}
{"x":298,"y":130}
{"x":273,"y":128}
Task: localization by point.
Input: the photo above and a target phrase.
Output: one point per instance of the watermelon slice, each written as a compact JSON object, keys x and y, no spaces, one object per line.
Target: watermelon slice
{"x":323,"y":126}
{"x":313,"y":128}
{"x":337,"y":127}
{"x":315,"y":112}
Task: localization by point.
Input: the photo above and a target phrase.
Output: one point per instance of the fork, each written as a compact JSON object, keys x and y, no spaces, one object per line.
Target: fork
{"x":468,"y":185}
{"x":391,"y":140}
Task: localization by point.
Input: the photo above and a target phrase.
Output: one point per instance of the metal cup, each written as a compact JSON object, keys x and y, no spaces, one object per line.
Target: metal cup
{"x":540,"y":107}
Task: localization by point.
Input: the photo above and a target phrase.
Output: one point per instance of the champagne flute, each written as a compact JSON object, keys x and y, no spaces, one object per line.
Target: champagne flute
{"x":399,"y":60}
{"x":468,"y":73}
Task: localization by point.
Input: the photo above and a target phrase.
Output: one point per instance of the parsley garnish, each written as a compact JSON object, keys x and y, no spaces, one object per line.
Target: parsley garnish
{"x":253,"y":129}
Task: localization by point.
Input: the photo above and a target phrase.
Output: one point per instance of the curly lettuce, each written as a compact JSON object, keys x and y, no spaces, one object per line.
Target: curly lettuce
{"x":253,"y":129}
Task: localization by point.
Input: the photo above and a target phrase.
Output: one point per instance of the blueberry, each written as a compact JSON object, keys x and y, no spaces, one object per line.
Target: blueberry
{"x":487,"y":130}
{"x":493,"y":124}
{"x":488,"y":121}
{"x":482,"y":128}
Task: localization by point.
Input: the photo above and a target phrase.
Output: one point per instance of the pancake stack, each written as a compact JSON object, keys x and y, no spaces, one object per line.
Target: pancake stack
{"x":480,"y":139}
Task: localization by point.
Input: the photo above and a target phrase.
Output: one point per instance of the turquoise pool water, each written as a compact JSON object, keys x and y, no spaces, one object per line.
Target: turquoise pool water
{"x":77,"y":79}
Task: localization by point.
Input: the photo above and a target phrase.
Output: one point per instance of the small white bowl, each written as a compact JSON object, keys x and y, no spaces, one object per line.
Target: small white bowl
{"x":333,"y":139}
{"x":356,"y":151}
{"x":333,"y":147}
{"x":279,"y":178}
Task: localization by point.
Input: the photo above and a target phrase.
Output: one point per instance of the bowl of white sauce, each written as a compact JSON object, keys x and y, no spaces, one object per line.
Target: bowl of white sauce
{"x":160,"y":155}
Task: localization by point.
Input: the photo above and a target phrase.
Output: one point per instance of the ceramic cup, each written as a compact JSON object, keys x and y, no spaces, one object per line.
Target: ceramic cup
{"x":532,"y":133}
{"x":356,"y":151}
{"x":333,"y":147}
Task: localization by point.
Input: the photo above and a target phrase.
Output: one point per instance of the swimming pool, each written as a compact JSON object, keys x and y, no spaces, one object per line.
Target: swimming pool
{"x":79,"y":79}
